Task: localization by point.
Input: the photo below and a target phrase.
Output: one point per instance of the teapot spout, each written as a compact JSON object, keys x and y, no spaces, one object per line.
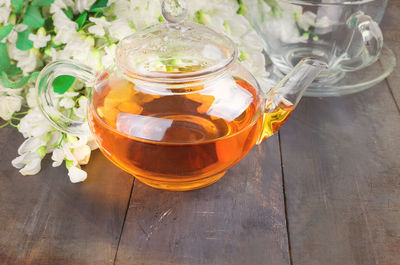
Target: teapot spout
{"x":281,"y":100}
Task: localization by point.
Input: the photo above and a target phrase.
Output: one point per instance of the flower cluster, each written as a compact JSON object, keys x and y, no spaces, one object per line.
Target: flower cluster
{"x":34,"y":33}
{"x":286,"y":21}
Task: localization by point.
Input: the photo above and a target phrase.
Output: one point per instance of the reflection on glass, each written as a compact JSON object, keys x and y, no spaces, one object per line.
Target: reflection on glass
{"x":231,"y":100}
{"x":145,"y":127}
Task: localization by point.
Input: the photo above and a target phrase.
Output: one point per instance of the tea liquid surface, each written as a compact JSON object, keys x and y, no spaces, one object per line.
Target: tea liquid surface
{"x":175,"y":141}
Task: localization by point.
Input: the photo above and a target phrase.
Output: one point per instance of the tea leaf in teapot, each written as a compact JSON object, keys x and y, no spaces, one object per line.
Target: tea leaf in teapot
{"x":42,"y":2}
{"x":33,"y":18}
{"x":4,"y":31}
{"x":23,"y":42}
{"x":4,"y":59}
{"x":17,"y":4}
{"x":62,"y":83}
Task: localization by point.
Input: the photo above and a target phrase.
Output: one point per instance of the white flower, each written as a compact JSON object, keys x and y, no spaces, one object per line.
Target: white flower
{"x":29,"y":162}
{"x":9,"y":91}
{"x":26,"y":60}
{"x":66,"y":36}
{"x":13,"y":36}
{"x":80,"y":112}
{"x":62,"y":22}
{"x":31,"y":97}
{"x":58,"y":5}
{"x":306,"y":20}
{"x":53,"y":139}
{"x":99,"y":28}
{"x":29,"y":63}
{"x":5,"y":10}
{"x":77,"y":49}
{"x":39,"y":40}
{"x":252,"y":41}
{"x":34,"y":124}
{"x":82,"y":154}
{"x":93,"y":60}
{"x":67,"y":102}
{"x":76,"y":174}
{"x":120,"y":29}
{"x":58,"y":157}
{"x":9,"y":105}
{"x":108,"y":59}
{"x":142,"y":14}
{"x":31,"y":144}
{"x":76,"y":150}
{"x":82,"y":5}
{"x":91,"y":142}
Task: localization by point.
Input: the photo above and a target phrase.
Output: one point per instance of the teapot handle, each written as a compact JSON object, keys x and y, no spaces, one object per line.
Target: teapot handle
{"x":44,"y":91}
{"x":281,"y":100}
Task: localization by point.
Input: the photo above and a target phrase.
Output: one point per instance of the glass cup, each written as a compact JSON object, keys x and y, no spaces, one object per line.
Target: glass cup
{"x":344,"y":34}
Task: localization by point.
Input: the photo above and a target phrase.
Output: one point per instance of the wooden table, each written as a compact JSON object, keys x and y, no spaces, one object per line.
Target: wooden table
{"x":324,"y":191}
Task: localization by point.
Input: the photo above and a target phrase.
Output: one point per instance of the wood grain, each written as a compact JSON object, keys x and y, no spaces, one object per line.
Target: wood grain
{"x":45,"y":219}
{"x":238,"y":220}
{"x":391,"y":35}
{"x":342,"y":178}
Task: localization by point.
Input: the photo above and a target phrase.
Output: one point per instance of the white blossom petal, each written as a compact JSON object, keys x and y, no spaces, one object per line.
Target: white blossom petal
{"x":31,"y":144}
{"x":9,"y":105}
{"x":76,"y":174}
{"x":58,"y":157}
{"x":82,"y":154}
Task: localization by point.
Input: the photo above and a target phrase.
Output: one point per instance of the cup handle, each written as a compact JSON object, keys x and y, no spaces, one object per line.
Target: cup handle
{"x":44,"y":87}
{"x":372,"y":39}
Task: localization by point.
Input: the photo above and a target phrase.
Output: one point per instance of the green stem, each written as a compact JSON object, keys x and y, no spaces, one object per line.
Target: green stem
{"x":22,"y":113}
{"x":61,"y":140}
{"x":12,"y":124}
{"x":5,"y":124}
{"x":87,"y":25}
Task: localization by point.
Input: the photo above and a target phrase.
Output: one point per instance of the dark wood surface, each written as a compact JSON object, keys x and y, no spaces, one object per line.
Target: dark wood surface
{"x":45,"y":219}
{"x":342,"y":179}
{"x":324,"y":191}
{"x":238,"y":220}
{"x":391,"y":34}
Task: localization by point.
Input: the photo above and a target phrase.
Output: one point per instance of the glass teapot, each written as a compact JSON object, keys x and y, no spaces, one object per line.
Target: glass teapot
{"x":177,"y":110}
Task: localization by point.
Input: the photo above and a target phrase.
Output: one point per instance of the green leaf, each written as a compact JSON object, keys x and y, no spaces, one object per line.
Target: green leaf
{"x":13,"y":70}
{"x":42,"y":2}
{"x":98,"y":4}
{"x":81,"y":19}
{"x":33,"y":18}
{"x":23,"y":43}
{"x":4,"y":31}
{"x":62,"y":83}
{"x":68,"y":12}
{"x":7,"y":83}
{"x":48,"y":24}
{"x":4,"y":59}
{"x":17,"y":4}
{"x":35,"y":75}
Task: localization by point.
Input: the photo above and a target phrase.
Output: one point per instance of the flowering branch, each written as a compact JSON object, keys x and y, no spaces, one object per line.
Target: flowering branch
{"x":34,"y":33}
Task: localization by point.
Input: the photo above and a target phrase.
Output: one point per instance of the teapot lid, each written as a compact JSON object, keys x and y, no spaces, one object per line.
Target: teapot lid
{"x":175,"y":49}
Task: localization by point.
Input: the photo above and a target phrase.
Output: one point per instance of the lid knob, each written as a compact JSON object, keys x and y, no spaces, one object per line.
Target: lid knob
{"x":174,"y":11}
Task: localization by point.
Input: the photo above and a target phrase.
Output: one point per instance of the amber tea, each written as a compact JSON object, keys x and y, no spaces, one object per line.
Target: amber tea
{"x":173,"y":142}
